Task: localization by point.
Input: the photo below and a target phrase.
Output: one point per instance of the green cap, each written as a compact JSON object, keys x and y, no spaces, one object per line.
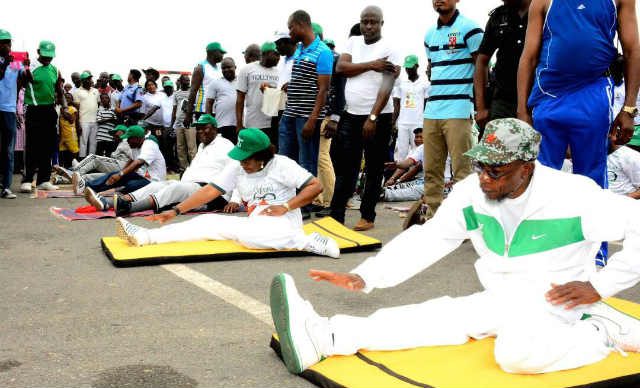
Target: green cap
{"x":330,"y":42}
{"x":317,"y":29}
{"x":5,"y":35}
{"x":207,"y":119}
{"x":116,"y":77}
{"x":505,"y":141}
{"x":119,"y":127}
{"x":268,"y":46}
{"x":167,"y":83}
{"x":215,"y":46}
{"x":85,"y":75}
{"x":410,"y":61}
{"x":133,"y":131}
{"x":250,"y":141}
{"x":47,"y":49}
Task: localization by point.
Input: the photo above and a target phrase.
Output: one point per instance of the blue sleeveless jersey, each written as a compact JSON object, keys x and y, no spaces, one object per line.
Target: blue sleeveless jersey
{"x":577,"y":46}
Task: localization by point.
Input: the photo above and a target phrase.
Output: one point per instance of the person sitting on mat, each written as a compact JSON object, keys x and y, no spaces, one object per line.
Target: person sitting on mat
{"x":536,"y":231}
{"x":209,"y":161}
{"x":267,"y":184}
{"x":147,"y":166}
{"x":95,"y":166}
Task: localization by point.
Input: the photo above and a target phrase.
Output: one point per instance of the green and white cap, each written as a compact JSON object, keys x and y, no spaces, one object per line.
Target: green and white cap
{"x":505,"y":141}
{"x":47,"y":49}
{"x":5,"y":35}
{"x":250,"y":141}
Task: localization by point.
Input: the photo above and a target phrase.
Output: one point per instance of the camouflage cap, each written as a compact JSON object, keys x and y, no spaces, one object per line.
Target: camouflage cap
{"x":505,"y":141}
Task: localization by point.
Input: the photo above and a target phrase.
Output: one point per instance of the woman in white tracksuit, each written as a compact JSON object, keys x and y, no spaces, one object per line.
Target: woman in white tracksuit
{"x":546,"y":234}
{"x":267,"y":184}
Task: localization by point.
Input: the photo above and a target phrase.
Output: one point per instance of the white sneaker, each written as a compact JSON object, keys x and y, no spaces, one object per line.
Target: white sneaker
{"x":74,"y":163}
{"x":134,"y":234}
{"x":62,"y":171}
{"x":304,"y":335}
{"x":322,"y":245}
{"x":94,"y":199}
{"x":25,"y":187}
{"x":78,"y":183}
{"x":623,"y":330}
{"x":47,"y":186}
{"x":7,"y":194}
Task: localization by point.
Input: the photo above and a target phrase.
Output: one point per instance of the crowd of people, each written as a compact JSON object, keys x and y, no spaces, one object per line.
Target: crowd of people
{"x":300,"y":128}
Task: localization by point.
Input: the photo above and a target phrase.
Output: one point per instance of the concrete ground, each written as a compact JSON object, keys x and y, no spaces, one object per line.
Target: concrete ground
{"x":69,"y":318}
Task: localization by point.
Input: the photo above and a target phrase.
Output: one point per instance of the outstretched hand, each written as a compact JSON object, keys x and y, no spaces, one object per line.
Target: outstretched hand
{"x":162,"y":217}
{"x":349,"y":281}
{"x":572,"y":294}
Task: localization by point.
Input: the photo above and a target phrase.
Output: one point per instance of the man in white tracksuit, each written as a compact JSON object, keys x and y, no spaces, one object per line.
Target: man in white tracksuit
{"x":210,"y":160}
{"x":535,"y":230}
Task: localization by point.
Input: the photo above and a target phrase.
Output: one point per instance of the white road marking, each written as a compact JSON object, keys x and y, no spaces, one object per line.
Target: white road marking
{"x":230,"y":295}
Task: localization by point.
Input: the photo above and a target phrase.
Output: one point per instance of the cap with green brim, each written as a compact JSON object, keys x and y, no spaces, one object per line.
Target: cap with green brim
{"x":268,"y":46}
{"x":410,"y":61}
{"x":505,"y":141}
{"x":119,"y":127}
{"x":250,"y":141}
{"x":330,"y":42}
{"x":207,"y":119}
{"x":317,"y":29}
{"x":47,"y":49}
{"x":133,"y":131}
{"x":167,"y":83}
{"x":116,"y":77}
{"x":5,"y":35}
{"x":215,"y":46}
{"x":85,"y":75}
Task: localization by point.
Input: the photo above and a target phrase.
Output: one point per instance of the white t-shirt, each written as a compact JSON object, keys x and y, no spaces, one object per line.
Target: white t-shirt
{"x":166,"y":104}
{"x":250,"y":78}
{"x":285,"y":65}
{"x":275,"y":184}
{"x":511,"y":210}
{"x":412,"y":96}
{"x":89,"y":101}
{"x":417,"y":154}
{"x":154,"y":168}
{"x":149,"y":102}
{"x":224,"y":93}
{"x":114,"y":96}
{"x":618,"y":101}
{"x":623,"y":167}
{"x":209,"y":161}
{"x":361,"y":91}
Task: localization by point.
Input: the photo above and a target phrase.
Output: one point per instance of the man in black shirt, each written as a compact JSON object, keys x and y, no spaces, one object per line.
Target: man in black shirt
{"x":505,"y":32}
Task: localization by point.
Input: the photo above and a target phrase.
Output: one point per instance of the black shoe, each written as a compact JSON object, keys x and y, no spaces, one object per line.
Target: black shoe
{"x":314,"y":208}
{"x":305,"y":214}
{"x":324,"y":212}
{"x":120,"y":206}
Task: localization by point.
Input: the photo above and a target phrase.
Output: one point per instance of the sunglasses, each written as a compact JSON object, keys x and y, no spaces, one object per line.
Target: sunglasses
{"x":492,"y":170}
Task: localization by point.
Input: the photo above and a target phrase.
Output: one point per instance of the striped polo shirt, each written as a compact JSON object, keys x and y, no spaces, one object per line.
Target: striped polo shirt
{"x":309,"y":62}
{"x":449,"y":47}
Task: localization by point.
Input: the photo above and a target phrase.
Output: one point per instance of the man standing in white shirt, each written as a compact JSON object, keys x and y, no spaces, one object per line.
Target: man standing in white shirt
{"x":409,"y":99}
{"x":203,"y":74}
{"x":371,"y":66}
{"x":221,"y":98}
{"x":88,"y":99}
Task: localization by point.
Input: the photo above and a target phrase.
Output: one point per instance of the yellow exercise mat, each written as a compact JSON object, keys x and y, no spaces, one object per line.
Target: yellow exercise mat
{"x":122,"y":254}
{"x":470,"y":365}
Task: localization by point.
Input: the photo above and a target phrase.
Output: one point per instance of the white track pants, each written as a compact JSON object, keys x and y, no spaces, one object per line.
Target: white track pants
{"x":255,"y":231}
{"x":404,"y":191}
{"x":88,"y":138}
{"x":528,"y":339}
{"x":404,"y":142}
{"x":96,"y":163}
{"x":167,"y":192}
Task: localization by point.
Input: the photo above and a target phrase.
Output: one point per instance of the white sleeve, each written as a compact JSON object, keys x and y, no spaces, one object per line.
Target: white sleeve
{"x":397,"y":92}
{"x":349,"y":48}
{"x":611,"y":217}
{"x":149,"y":152}
{"x":243,"y":80}
{"x":292,"y":174}
{"x":632,"y":167}
{"x":402,"y":258}
{"x":227,"y":179}
{"x":212,"y":90}
{"x":417,"y":154}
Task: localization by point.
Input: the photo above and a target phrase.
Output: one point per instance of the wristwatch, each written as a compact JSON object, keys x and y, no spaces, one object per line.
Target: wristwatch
{"x":286,"y":205}
{"x":373,"y":117}
{"x":175,"y":209}
{"x":631,"y":110}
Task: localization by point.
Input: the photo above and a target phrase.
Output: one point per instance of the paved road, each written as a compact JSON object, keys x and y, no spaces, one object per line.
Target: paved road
{"x":71,"y":319}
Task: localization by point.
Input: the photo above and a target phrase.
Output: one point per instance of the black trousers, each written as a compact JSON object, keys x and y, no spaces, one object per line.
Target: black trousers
{"x":230,"y":133}
{"x":346,"y":154}
{"x":41,"y":141}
